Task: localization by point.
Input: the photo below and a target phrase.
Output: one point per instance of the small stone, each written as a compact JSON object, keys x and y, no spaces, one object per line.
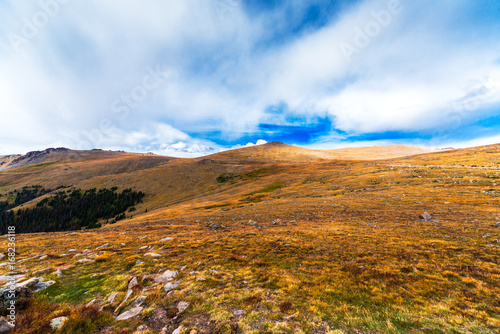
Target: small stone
{"x":43,"y":285}
{"x":41,"y":272}
{"x":178,"y":330}
{"x":133,"y":284}
{"x":167,"y":239}
{"x":5,"y":326}
{"x":72,"y":251}
{"x":58,"y":273}
{"x":496,"y":224}
{"x":193,"y":331}
{"x":143,"y":247}
{"x":486,"y":235}
{"x":91,"y":303}
{"x":103,"y":246}
{"x":112,"y":298}
{"x":94,"y":276}
{"x":43,"y":257}
{"x":425,"y":216}
{"x":201,"y":279}
{"x":58,"y":323}
{"x":130,"y":313}
{"x":170,"y":286}
{"x":182,"y":306}
{"x":166,"y":276}
{"x":139,"y":301}
{"x":239,"y":312}
{"x":152,"y":254}
{"x":142,"y":328}
{"x":85,"y":261}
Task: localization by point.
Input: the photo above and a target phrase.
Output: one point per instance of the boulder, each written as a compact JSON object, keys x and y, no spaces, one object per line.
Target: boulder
{"x":58,"y":273}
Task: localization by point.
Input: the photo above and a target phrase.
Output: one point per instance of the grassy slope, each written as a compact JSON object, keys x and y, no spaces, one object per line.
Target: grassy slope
{"x":350,"y":257}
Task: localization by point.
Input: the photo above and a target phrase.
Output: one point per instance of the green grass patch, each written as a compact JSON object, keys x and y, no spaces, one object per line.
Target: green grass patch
{"x":271,"y":188}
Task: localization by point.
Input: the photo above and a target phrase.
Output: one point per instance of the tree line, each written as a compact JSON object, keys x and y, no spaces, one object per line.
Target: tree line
{"x":66,"y":210}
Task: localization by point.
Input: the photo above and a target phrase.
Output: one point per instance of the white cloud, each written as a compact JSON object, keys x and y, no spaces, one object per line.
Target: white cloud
{"x":62,"y":88}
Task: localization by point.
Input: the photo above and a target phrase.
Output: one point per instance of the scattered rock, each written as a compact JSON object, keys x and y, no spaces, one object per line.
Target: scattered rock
{"x":425,"y":216}
{"x":213,"y":226}
{"x":5,"y":326}
{"x":85,"y":261}
{"x":58,"y":323}
{"x":72,"y":251}
{"x":201,"y":279}
{"x":130,"y":313}
{"x":42,"y":285}
{"x":133,"y":284}
{"x":182,"y":306}
{"x":496,"y":224}
{"x":41,"y":272}
{"x":239,"y":312}
{"x":166,"y":276}
{"x":43,"y":257}
{"x":93,"y":276}
{"x":170,"y":286}
{"x":486,"y":235}
{"x":10,"y":279}
{"x":103,"y":246}
{"x":58,"y":273}
{"x":152,"y":254}
{"x":167,"y":239}
{"x":91,"y":303}
{"x":142,"y":328}
{"x":112,"y":298}
{"x":144,"y":237}
{"x":178,"y":330}
{"x":194,"y":331}
{"x":139,"y":301}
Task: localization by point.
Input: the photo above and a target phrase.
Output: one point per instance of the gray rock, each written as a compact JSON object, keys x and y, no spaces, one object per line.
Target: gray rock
{"x":139,"y":301}
{"x":425,"y":216}
{"x":9,"y":279}
{"x":58,"y":273}
{"x":5,"y":326}
{"x":112,"y":298}
{"x":170,"y":286}
{"x":496,"y":224}
{"x":166,"y":276}
{"x":182,"y":306}
{"x":167,"y":239}
{"x":72,"y":251}
{"x":152,"y":254}
{"x":130,"y":313}
{"x":178,"y":330}
{"x":86,"y":261}
{"x":43,"y":285}
{"x":134,"y":283}
{"x":58,"y":323}
{"x":239,"y":312}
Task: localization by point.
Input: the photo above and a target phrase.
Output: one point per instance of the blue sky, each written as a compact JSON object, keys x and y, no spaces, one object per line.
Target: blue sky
{"x":194,"y":77}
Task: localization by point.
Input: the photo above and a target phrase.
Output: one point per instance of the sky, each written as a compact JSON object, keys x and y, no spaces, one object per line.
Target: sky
{"x":194,"y":77}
